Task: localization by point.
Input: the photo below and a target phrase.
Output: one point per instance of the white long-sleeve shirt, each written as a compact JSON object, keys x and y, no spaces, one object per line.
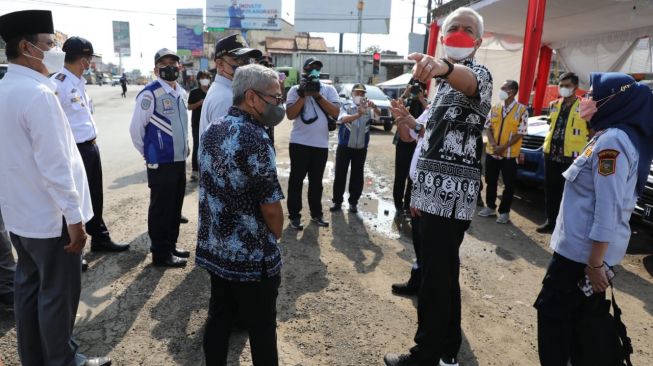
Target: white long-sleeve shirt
{"x":216,"y":103}
{"x":42,"y":176}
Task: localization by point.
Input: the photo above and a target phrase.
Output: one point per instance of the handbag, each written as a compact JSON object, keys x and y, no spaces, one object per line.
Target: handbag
{"x":600,"y":338}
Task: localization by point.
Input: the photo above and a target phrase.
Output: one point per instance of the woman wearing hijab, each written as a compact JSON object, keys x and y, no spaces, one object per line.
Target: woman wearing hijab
{"x":592,"y":229}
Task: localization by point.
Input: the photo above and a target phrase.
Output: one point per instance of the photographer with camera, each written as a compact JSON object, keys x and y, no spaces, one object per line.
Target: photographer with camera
{"x":413,"y":98}
{"x":311,"y":105}
{"x":353,"y":138}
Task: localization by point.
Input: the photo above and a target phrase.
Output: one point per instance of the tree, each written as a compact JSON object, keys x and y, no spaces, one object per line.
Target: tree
{"x":372,"y":49}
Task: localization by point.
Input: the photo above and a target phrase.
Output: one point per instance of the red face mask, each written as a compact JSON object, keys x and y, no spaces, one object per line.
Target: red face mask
{"x":458,"y":45}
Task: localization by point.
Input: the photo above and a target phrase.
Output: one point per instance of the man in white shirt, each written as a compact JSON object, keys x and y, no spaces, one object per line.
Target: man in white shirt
{"x":71,"y":90}
{"x":159,"y":131}
{"x":308,"y":105}
{"x":230,"y":53}
{"x":43,"y":194}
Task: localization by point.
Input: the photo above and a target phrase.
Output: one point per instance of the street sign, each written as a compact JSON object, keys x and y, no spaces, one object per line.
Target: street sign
{"x":217,"y":30}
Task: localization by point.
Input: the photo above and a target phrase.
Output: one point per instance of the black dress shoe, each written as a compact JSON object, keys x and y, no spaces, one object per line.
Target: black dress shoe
{"x":405,"y":289}
{"x":353,"y":208}
{"x":183,"y":220}
{"x":545,"y":228}
{"x":319,"y":221}
{"x":170,"y":262}
{"x":108,"y":246}
{"x":392,"y":359}
{"x":84,"y":265}
{"x":336,"y":207}
{"x":98,"y":361}
{"x":180,"y":253}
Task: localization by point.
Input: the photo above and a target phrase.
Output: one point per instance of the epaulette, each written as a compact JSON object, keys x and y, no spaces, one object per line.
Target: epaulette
{"x":60,"y":76}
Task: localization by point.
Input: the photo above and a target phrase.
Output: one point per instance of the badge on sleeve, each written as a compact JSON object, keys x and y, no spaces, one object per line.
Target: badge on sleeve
{"x":60,"y":77}
{"x":146,"y":103}
{"x":607,"y":161}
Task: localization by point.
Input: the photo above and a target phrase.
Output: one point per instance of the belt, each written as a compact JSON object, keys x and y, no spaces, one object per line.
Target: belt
{"x":89,"y":142}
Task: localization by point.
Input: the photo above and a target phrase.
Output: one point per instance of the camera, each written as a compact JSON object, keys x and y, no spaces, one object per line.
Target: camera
{"x":415,"y":88}
{"x":312,"y":81}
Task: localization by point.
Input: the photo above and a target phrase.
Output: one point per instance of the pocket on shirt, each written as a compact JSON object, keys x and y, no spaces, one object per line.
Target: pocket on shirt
{"x":576,"y":167}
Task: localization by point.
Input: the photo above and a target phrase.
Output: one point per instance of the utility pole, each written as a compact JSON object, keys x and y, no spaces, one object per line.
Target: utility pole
{"x":359,"y":61}
{"x":412,"y":18}
{"x":428,"y":25}
{"x":341,"y":41}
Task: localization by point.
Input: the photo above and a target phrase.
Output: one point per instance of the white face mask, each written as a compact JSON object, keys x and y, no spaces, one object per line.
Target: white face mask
{"x":53,"y":59}
{"x":458,"y":53}
{"x":205,"y":82}
{"x":358,"y":99}
{"x":503,"y":95}
{"x":566,"y":92}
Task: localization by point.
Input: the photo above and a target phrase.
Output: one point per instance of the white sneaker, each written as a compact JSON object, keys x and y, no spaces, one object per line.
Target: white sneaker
{"x":503,"y":218}
{"x":487,"y":212}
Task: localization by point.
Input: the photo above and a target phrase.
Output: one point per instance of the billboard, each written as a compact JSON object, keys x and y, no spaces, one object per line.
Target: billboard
{"x":243,"y":14}
{"x":121,"y":38}
{"x":342,"y":16}
{"x":190,"y":32}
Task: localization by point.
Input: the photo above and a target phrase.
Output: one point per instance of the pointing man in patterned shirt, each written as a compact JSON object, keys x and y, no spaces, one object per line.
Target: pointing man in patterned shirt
{"x":446,"y":187}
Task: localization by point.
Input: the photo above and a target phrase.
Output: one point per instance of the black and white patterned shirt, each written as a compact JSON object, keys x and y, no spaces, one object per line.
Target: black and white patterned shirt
{"x":449,"y":164}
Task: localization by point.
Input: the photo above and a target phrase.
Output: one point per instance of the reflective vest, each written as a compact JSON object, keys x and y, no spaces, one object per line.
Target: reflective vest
{"x":576,"y":131}
{"x":503,"y":129}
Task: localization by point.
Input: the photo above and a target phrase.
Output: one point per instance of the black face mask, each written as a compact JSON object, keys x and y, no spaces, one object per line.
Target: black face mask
{"x":169,"y":73}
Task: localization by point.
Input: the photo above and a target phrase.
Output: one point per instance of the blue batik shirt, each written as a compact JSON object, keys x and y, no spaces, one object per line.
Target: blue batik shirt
{"x":237,"y":174}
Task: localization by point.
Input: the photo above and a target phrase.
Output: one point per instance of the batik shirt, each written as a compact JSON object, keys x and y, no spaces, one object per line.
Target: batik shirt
{"x":449,"y":164}
{"x":237,"y":175}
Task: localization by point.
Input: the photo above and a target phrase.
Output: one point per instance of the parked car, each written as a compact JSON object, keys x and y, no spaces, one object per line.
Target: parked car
{"x":3,"y":70}
{"x":530,"y":166}
{"x":115,"y":80}
{"x":377,"y":97}
{"x":644,"y":207}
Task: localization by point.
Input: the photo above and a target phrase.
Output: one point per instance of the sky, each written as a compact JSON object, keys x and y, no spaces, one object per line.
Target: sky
{"x":153,"y":24}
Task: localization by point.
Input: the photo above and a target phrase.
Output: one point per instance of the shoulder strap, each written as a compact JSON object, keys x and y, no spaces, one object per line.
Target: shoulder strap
{"x":621,"y":329}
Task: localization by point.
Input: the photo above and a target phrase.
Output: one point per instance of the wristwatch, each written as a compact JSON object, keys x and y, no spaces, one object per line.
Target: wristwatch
{"x":446,"y":74}
{"x":418,"y":128}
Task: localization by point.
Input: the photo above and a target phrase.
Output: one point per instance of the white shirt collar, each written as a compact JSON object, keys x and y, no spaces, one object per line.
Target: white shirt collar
{"x":219,"y":79}
{"x":27,"y":72}
{"x":168,"y":88}
{"x":509,"y":107}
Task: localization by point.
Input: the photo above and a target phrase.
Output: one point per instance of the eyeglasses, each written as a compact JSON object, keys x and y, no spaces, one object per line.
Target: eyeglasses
{"x":278,"y":97}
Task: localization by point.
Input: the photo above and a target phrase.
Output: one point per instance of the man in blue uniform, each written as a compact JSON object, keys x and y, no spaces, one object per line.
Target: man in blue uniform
{"x":159,"y":130}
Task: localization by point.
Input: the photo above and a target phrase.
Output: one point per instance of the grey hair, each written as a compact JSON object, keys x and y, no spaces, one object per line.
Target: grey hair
{"x":465,"y":10}
{"x":254,"y":77}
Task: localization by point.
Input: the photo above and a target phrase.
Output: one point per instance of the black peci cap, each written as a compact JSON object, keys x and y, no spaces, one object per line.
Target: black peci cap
{"x":312,"y":61}
{"x":163,"y":53}
{"x":359,"y":86}
{"x":78,"y":46}
{"x":236,"y":46}
{"x":26,"y":22}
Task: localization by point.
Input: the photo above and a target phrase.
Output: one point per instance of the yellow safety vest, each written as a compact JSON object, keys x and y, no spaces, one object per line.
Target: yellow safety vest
{"x":576,"y":131}
{"x":503,"y":129}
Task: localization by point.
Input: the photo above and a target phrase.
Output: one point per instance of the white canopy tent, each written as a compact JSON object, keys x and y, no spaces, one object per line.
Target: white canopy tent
{"x":399,"y":81}
{"x":587,"y":35}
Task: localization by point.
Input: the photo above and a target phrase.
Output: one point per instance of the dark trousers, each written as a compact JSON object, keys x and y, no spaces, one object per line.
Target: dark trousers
{"x":438,"y":306}
{"x":167,"y":188}
{"x":554,"y":185}
{"x":344,"y":156}
{"x":93,"y":165}
{"x":195,"y":127}
{"x":255,"y":303}
{"x":47,"y":289}
{"x":401,"y":190}
{"x":416,"y":272}
{"x":508,"y":170}
{"x":311,"y":161}
{"x":559,"y":306}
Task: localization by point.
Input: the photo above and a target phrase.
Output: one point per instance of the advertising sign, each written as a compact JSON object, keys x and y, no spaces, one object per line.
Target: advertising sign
{"x":342,"y":16}
{"x":121,"y":38}
{"x":190,"y":32}
{"x":244,"y":14}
